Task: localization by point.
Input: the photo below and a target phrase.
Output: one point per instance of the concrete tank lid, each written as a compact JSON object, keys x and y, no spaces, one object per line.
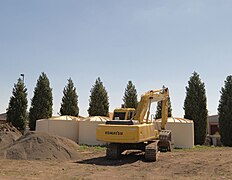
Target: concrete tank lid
{"x":177,"y":120}
{"x":97,"y":118}
{"x":65,"y":118}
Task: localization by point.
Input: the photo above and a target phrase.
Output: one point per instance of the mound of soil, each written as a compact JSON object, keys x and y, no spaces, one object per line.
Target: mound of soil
{"x":42,"y":146}
{"x":8,"y":135}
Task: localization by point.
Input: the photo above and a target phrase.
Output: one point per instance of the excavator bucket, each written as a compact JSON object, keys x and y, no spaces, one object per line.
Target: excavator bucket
{"x":165,"y":141}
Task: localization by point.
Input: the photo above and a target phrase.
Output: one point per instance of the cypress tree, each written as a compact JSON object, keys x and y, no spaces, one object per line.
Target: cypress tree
{"x":70,"y":100}
{"x":17,"y":109}
{"x":41,"y":103}
{"x":130,"y":96}
{"x":225,"y":112}
{"x":158,"y":114}
{"x":99,"y":100}
{"x":195,"y":107}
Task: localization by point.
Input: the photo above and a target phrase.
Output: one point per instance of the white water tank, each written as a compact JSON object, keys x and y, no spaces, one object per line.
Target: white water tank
{"x":65,"y":126}
{"x":182,"y":131}
{"x":87,"y":130}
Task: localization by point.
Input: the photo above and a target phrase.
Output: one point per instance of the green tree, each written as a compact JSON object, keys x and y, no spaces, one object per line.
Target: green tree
{"x":158,"y":114}
{"x":17,"y":109}
{"x":70,"y":100}
{"x":99,"y":100}
{"x":195,"y":107}
{"x":130,"y":96}
{"x":41,"y":103}
{"x":225,"y":112}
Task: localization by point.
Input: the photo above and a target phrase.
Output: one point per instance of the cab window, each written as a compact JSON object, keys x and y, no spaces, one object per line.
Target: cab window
{"x":119,"y":116}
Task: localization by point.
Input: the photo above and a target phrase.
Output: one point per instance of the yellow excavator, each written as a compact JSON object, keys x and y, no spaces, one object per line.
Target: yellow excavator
{"x":131,"y":129}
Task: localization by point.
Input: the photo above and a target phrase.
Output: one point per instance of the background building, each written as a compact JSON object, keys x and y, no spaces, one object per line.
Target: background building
{"x":213,"y":125}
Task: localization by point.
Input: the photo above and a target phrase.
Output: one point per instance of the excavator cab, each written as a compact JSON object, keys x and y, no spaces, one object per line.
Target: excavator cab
{"x":123,"y":113}
{"x":122,"y":116}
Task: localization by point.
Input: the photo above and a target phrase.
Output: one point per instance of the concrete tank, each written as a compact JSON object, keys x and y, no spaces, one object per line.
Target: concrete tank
{"x":65,"y":126}
{"x":87,"y":130}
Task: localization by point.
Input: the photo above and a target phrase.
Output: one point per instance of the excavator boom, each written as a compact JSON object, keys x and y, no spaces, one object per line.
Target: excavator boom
{"x":149,"y":97}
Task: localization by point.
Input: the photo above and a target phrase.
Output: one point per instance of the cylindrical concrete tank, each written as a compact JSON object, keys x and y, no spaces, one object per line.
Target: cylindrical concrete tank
{"x":65,"y":126}
{"x":182,"y":131}
{"x":87,"y":130}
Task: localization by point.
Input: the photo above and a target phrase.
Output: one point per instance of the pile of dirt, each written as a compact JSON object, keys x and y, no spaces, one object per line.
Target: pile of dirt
{"x":8,"y":135}
{"x":42,"y":146}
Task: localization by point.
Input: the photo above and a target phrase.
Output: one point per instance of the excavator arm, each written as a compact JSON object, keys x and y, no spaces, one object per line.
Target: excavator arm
{"x":165,"y":109}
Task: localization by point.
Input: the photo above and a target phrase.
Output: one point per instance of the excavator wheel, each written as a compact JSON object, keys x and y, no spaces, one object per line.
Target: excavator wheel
{"x":151,"y":152}
{"x":113,"y":151}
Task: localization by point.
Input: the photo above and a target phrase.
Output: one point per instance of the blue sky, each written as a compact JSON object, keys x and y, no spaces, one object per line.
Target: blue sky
{"x":150,"y":42}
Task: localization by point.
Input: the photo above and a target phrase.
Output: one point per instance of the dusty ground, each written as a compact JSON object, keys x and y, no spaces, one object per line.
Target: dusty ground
{"x":199,"y":163}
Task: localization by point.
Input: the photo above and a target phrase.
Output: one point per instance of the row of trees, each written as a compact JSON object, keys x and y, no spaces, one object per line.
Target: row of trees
{"x":41,"y":103}
{"x":195,"y":104}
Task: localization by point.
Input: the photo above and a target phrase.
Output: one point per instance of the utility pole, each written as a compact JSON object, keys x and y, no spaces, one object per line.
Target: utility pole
{"x":22,"y":77}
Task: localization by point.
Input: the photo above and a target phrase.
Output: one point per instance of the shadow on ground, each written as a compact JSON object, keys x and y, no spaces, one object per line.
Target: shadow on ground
{"x":125,"y":159}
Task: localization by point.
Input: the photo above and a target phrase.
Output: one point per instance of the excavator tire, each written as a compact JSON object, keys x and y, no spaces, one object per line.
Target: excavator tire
{"x":113,"y":151}
{"x":151,"y":152}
